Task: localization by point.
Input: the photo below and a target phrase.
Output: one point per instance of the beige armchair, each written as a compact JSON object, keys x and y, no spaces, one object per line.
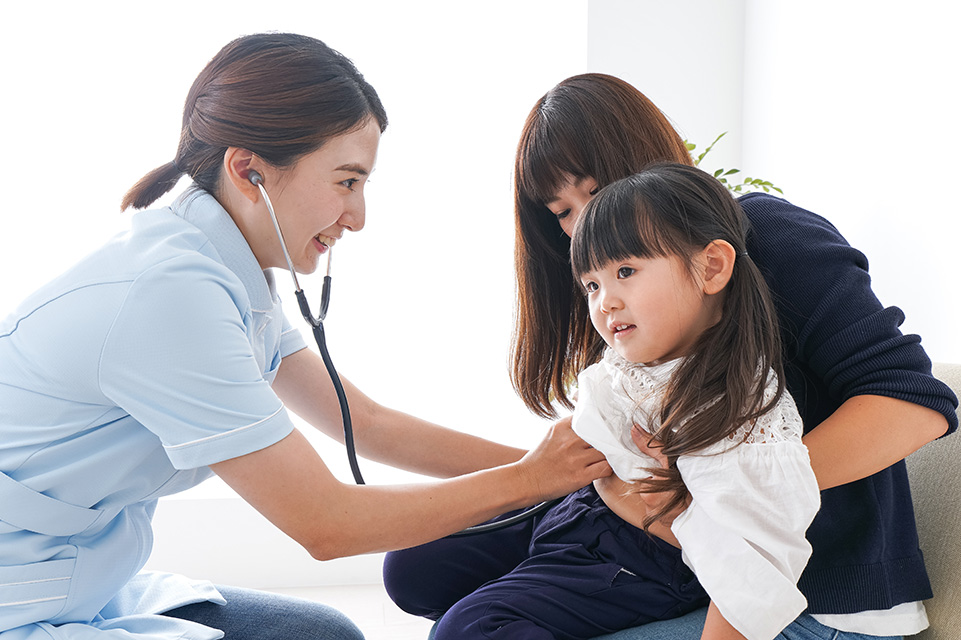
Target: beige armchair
{"x":935,"y":475}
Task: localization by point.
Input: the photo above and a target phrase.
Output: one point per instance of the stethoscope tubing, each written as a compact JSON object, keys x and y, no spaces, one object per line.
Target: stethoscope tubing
{"x":319,"y":337}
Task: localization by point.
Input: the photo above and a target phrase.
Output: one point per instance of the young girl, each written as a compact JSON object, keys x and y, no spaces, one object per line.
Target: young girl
{"x":693,"y":359}
{"x":689,"y":326}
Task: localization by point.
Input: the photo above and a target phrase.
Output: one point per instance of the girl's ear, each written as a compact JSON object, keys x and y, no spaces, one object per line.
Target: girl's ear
{"x":717,"y":264}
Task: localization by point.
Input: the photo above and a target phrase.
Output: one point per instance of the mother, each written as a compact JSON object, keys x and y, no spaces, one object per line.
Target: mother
{"x":864,"y":390}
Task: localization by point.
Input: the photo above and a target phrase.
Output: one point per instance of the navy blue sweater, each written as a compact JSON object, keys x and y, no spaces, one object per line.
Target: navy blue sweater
{"x":840,"y":342}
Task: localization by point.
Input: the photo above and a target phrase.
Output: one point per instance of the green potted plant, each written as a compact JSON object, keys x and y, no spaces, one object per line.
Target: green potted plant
{"x":748,"y":184}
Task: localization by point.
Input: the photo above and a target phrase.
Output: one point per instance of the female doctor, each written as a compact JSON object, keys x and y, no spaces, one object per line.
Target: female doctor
{"x":164,"y":357}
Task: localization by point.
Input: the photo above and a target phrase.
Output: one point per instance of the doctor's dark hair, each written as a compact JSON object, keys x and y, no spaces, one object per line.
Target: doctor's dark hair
{"x":678,"y":210}
{"x":588,"y":126}
{"x":278,"y":95}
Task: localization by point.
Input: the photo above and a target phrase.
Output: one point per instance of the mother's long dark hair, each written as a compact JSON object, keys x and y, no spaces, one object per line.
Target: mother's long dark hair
{"x":678,"y":210}
{"x":591,"y":125}
{"x":279,"y":95}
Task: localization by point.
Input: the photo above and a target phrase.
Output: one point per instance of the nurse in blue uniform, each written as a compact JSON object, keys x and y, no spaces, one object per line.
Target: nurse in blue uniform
{"x":163,"y":358}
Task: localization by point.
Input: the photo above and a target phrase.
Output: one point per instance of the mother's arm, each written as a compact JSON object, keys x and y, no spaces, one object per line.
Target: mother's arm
{"x":865,"y":390}
{"x":867,"y":434}
{"x":872,"y":426}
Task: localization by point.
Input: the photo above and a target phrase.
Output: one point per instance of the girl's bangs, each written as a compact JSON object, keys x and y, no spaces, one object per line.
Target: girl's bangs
{"x":616,"y":225}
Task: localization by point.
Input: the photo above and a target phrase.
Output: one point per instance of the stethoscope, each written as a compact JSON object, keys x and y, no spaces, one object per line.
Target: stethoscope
{"x":317,"y":324}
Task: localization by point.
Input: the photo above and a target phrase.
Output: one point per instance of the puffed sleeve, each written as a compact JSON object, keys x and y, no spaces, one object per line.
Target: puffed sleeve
{"x":179,"y":360}
{"x":743,"y":533}
{"x":602,"y":418}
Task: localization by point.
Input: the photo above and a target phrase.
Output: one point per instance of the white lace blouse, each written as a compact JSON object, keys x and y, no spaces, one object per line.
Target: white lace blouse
{"x":753,"y":494}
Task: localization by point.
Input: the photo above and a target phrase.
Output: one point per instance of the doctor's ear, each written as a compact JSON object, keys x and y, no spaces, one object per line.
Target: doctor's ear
{"x":716,"y":262}
{"x":240,"y":166}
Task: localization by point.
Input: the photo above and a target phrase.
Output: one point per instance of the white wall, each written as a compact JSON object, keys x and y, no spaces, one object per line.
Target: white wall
{"x":687,"y":56}
{"x":849,"y":105}
{"x":852,"y":107}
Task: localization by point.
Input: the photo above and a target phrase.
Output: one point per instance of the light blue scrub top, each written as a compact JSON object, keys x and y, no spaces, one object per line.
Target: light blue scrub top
{"x":120,"y":381}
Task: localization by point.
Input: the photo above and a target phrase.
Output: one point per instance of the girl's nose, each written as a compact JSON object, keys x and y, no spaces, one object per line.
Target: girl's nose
{"x":610,"y":302}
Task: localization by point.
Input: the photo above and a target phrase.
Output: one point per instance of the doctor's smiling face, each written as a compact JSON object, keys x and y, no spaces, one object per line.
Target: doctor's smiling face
{"x":316,"y":200}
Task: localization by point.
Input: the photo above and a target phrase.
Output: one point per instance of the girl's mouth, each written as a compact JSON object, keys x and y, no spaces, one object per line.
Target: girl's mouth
{"x":621,"y":329}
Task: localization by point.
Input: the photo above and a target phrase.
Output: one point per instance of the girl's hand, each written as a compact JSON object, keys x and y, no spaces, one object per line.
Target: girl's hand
{"x":717,"y":628}
{"x":562,"y":463}
{"x":642,"y":439}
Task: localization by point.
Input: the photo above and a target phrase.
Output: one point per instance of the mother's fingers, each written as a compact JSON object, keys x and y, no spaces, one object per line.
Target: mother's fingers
{"x":648,"y":446}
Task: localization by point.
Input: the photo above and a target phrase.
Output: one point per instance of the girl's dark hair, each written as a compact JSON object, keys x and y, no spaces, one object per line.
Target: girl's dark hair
{"x":678,"y":210}
{"x":278,"y":95}
{"x":590,"y":125}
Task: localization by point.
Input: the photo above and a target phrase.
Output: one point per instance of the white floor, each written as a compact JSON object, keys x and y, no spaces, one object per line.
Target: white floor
{"x":369,"y":607}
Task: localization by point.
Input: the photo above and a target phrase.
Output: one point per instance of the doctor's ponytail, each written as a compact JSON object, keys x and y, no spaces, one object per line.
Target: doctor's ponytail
{"x":278,"y":95}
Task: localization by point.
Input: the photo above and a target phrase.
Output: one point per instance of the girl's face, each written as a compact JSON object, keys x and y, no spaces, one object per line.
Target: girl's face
{"x":570,"y":200}
{"x":317,"y":200}
{"x":649,"y":310}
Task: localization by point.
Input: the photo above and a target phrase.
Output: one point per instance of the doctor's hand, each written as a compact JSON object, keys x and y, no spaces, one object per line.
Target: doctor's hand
{"x":562,"y":463}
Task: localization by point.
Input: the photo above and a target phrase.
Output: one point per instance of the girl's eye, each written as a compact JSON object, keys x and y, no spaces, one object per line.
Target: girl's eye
{"x":594,"y":191}
{"x":349,"y":183}
{"x":625,"y":272}
{"x":590,"y":287}
{"x":563,"y":214}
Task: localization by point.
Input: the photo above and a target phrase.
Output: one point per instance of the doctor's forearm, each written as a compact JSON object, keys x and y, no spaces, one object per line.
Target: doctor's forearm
{"x":288,"y":483}
{"x":290,"y":486}
{"x":404,"y":441}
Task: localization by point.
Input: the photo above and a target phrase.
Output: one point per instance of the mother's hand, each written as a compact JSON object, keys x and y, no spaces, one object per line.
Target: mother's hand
{"x":631,"y":506}
{"x":650,"y":447}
